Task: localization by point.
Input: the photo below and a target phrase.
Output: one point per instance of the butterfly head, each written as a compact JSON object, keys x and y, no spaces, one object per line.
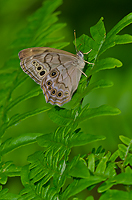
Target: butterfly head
{"x":80,"y":54}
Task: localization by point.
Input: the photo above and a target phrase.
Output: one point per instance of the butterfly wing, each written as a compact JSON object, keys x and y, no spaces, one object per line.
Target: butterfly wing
{"x":38,"y":61}
{"x":59,"y":85}
{"x":55,"y":70}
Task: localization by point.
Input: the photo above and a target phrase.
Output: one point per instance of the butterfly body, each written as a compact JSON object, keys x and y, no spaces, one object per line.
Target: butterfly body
{"x":56,"y":71}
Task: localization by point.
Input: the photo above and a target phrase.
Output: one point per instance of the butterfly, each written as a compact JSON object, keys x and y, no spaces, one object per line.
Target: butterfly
{"x":57,"y":72}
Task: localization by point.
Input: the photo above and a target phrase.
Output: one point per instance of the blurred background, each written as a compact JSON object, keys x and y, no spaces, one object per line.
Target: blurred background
{"x":79,"y":15}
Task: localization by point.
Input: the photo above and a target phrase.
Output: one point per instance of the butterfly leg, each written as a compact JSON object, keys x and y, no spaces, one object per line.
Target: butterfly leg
{"x":87,"y":61}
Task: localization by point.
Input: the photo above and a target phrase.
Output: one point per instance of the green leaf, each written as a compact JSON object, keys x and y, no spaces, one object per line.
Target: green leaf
{"x":116,"y":195}
{"x":25,"y":175}
{"x":106,"y":186}
{"x":101,"y":42}
{"x":16,"y":142}
{"x":123,"y":178}
{"x":45,"y":176}
{"x":5,"y":195}
{"x":20,"y":117}
{"x":80,"y":170}
{"x":95,"y":43}
{"x":125,"y":140}
{"x":60,"y":178}
{"x":91,"y":162}
{"x":106,"y":63}
{"x":79,"y":185}
{"x":49,"y":38}
{"x":110,"y":170}
{"x":128,"y":170}
{"x":42,"y":24}
{"x":123,"y":148}
{"x":81,"y":138}
{"x":99,"y":111}
{"x":121,"y":24}
{"x":102,"y":164}
{"x":7,"y":169}
{"x":87,"y":43}
{"x":35,"y":191}
{"x":57,"y":142}
{"x":124,"y":153}
{"x":98,"y":31}
{"x":114,"y":156}
{"x":61,"y":116}
{"x":112,"y":38}
{"x":44,"y":28}
{"x":34,"y":92}
{"x":109,"y":173}
{"x":128,"y":160}
{"x":42,"y":168}
{"x":100,"y":151}
{"x":65,"y":138}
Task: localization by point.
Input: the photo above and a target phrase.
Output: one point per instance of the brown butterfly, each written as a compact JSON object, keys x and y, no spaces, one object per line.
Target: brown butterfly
{"x":57,"y":72}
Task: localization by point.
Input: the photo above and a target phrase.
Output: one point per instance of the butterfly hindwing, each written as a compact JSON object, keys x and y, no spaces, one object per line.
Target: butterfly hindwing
{"x":60,"y":83}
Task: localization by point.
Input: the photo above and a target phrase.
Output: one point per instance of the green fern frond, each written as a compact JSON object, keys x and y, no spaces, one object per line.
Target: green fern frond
{"x":51,"y":173}
{"x":32,"y":191}
{"x":64,"y":138}
{"x":18,"y":141}
{"x":4,"y":194}
{"x":7,"y":169}
{"x":41,"y":31}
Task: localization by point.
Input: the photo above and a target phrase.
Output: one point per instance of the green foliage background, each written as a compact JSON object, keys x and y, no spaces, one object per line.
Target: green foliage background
{"x":79,"y":15}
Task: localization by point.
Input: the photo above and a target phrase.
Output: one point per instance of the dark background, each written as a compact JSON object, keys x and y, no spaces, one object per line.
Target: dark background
{"x":79,"y":15}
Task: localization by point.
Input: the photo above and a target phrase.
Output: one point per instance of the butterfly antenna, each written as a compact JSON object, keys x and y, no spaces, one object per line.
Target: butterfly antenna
{"x":75,"y":41}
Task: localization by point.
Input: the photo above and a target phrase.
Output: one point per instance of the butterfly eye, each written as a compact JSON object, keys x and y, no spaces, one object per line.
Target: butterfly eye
{"x":42,"y":73}
{"x":53,"y":92}
{"x":80,"y":54}
{"x":60,"y":94}
{"x":53,"y":74}
{"x":49,"y":82}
